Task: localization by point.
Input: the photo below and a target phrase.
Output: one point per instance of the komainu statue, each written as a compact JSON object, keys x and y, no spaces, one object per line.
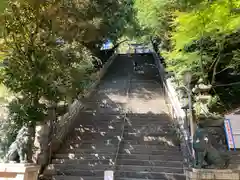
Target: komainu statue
{"x":19,"y":149}
{"x":206,"y":155}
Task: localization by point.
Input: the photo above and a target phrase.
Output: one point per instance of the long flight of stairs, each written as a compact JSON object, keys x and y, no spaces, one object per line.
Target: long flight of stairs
{"x":124,"y":127}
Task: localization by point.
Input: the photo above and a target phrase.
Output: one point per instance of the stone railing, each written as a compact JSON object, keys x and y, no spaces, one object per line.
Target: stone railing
{"x":176,"y":111}
{"x":64,"y":125}
{"x":19,"y":171}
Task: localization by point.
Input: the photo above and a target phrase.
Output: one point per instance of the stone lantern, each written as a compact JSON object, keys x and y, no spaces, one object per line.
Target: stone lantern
{"x":202,"y":97}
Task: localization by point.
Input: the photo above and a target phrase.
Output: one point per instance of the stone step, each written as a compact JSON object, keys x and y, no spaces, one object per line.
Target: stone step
{"x":141,"y":81}
{"x":101,"y":178}
{"x":149,"y":131}
{"x":103,"y":107}
{"x":161,"y":175}
{"x":102,"y":116}
{"x":57,"y":169}
{"x":147,"y":85}
{"x":113,"y":128}
{"x":111,"y":155}
{"x":138,"y":123}
{"x":116,"y":118}
{"x":88,"y":117}
{"x":62,"y":177}
{"x":147,"y":125}
{"x":84,"y":162}
{"x":118,"y":127}
{"x":103,"y":98}
{"x":101,"y":93}
{"x":96,"y":164}
{"x":123,"y":145}
{"x":131,"y":116}
{"x":95,"y":129}
{"x":158,"y":120}
{"x":114,"y":111}
{"x":107,"y":95}
{"x":97,"y":175}
{"x":128,"y":132}
{"x":104,"y":125}
{"x":90,"y":145}
{"x":148,"y":115}
{"x":147,"y":140}
{"x":101,"y":119}
{"x":167,"y":176}
{"x":147,"y":136}
{"x":89,"y":133}
{"x":121,"y":150}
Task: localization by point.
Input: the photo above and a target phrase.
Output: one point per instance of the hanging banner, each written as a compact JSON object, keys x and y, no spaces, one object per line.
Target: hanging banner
{"x":229,"y":134}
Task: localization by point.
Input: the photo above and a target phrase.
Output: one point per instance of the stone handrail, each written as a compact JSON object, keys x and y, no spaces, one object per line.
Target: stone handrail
{"x":177,"y":111}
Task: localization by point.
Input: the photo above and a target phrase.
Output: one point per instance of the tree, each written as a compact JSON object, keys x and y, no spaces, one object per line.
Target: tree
{"x":202,"y":36}
{"x":155,"y":17}
{"x":52,"y":46}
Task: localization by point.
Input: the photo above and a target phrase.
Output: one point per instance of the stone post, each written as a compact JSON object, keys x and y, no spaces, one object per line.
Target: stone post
{"x":41,"y":143}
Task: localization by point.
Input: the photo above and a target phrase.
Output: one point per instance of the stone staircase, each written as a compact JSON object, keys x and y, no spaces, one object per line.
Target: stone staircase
{"x":124,"y":127}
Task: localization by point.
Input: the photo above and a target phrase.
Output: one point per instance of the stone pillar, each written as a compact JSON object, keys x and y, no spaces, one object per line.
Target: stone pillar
{"x":41,"y":143}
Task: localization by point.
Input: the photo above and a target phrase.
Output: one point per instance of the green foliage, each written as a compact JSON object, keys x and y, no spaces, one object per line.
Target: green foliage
{"x":201,"y":36}
{"x":51,"y":47}
{"x":21,"y":111}
{"x":40,"y":67}
{"x":3,"y":5}
{"x":154,"y":17}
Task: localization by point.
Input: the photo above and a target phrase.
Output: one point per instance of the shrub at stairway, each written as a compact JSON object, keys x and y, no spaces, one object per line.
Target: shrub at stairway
{"x":51,"y":49}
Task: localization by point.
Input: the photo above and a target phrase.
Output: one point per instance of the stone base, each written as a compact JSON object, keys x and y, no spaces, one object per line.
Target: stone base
{"x":211,"y":174}
{"x":18,"y":171}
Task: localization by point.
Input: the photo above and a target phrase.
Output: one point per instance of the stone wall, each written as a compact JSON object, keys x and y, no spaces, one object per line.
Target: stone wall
{"x":64,"y":125}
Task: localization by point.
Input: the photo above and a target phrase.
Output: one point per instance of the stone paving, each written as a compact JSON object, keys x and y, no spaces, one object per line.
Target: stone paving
{"x":124,"y":127}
